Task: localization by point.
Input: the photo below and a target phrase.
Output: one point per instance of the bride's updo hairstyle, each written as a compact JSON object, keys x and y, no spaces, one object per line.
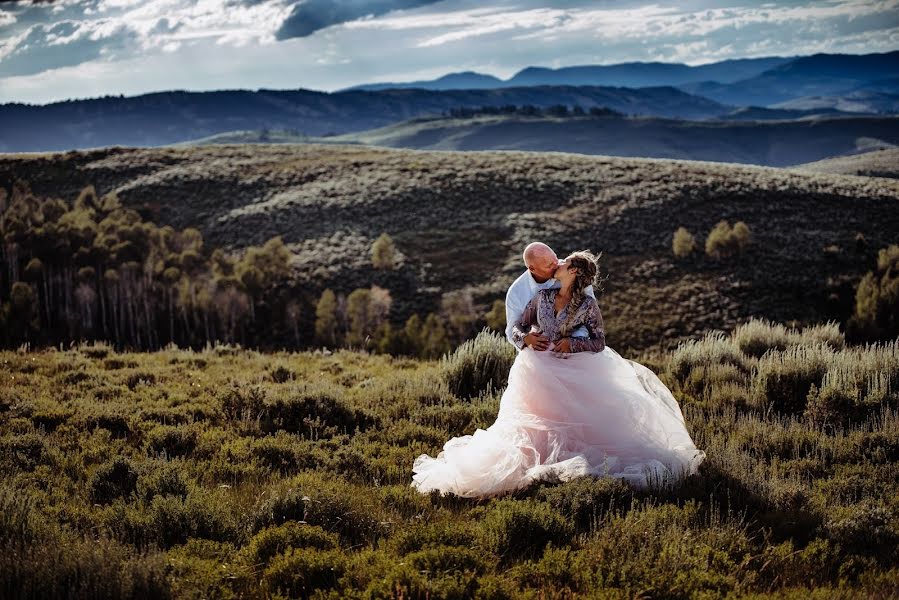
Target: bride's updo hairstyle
{"x":587,"y":265}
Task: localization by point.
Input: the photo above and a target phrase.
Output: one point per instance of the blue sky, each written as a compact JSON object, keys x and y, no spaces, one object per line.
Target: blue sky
{"x":62,"y":49}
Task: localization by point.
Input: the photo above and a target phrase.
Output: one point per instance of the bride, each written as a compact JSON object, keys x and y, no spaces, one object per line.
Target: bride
{"x":577,"y":408}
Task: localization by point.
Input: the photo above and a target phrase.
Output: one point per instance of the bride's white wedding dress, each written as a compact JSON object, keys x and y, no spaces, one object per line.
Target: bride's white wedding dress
{"x":590,"y":413}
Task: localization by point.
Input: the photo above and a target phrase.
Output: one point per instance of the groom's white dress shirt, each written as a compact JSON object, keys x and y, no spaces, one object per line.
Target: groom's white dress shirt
{"x":520,"y":293}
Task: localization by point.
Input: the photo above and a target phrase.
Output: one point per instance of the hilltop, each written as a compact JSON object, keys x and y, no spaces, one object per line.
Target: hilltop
{"x":461,"y":219}
{"x":877,"y":163}
{"x":777,"y":143}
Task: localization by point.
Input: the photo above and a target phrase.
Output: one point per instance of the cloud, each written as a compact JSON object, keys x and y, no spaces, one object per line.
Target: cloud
{"x":6,"y":18}
{"x":65,"y":43}
{"x":79,"y":48}
{"x":310,"y":16}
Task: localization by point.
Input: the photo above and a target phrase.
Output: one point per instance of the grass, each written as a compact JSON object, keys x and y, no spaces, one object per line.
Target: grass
{"x":231,"y":473}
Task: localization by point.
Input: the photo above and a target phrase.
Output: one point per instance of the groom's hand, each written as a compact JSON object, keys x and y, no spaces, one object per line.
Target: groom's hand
{"x":536,"y":341}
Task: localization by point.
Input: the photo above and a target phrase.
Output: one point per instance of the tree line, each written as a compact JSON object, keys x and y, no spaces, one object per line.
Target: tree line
{"x":530,"y":110}
{"x":96,"y":270}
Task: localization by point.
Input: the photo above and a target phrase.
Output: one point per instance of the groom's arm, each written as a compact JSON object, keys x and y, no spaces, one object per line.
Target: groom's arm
{"x":513,"y":313}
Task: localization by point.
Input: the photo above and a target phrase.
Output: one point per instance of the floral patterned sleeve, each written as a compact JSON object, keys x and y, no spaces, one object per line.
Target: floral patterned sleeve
{"x":522,"y":328}
{"x":593,"y":322}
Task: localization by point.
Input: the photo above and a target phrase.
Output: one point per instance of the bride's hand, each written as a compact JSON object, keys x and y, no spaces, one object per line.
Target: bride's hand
{"x":536,"y":341}
{"x":563,"y":345}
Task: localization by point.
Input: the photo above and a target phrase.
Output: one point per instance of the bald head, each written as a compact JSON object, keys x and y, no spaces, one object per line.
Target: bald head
{"x":540,"y":260}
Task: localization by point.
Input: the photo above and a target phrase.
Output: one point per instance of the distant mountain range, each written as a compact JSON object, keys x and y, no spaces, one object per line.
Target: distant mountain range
{"x":169,"y":117}
{"x":633,"y":74}
{"x":772,"y":88}
{"x":818,"y":75}
{"x":744,"y":82}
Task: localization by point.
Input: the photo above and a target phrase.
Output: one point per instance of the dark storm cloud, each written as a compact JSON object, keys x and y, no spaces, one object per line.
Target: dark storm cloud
{"x":312,"y":15}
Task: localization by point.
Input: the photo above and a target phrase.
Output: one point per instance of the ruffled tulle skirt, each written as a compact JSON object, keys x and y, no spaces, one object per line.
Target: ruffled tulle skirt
{"x":591,"y":413}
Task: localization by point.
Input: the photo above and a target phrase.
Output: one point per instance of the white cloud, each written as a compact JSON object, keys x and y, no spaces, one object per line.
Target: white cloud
{"x":6,"y":18}
{"x":131,"y":46}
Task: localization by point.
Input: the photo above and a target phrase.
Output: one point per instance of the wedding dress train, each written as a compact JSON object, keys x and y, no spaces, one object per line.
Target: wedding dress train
{"x":591,"y":413}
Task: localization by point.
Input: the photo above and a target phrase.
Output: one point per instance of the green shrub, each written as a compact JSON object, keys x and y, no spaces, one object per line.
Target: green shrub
{"x":560,"y":571}
{"x":79,"y":568}
{"x":440,"y":572}
{"x":514,"y":529}
{"x":585,"y":500}
{"x":243,"y":404}
{"x":479,"y":366}
{"x":286,"y":454}
{"x":349,"y":511}
{"x":25,"y":451}
{"x":116,"y":423}
{"x":683,"y":243}
{"x":714,"y":349}
{"x":202,"y":514}
{"x":429,"y":535}
{"x":276,"y":540}
{"x":281,"y":374}
{"x":140,"y":378}
{"x":783,"y":379}
{"x":823,"y":333}
{"x":757,"y":336}
{"x":172,"y":440}
{"x":162,"y":478}
{"x":496,"y":316}
{"x":438,"y":560}
{"x":865,"y":528}
{"x":877,"y":299}
{"x":316,"y":411}
{"x":724,"y":241}
{"x":207,"y":569}
{"x":383,"y":253}
{"x":301,"y":571}
{"x":114,"y":479}
{"x":405,"y":581}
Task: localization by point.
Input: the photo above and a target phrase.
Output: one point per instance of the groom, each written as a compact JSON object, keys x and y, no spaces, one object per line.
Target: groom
{"x":542,"y":263}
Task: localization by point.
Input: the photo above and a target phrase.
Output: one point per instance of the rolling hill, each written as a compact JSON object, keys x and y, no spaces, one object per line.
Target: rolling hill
{"x":877,"y":163}
{"x":461,"y":219}
{"x":853,"y":102}
{"x":770,"y":143}
{"x":170,"y":117}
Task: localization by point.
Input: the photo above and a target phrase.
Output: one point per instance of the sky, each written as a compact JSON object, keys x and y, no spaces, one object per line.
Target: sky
{"x":53,"y":50}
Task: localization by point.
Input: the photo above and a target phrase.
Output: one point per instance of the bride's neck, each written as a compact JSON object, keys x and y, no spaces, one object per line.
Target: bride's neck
{"x":566,"y":290}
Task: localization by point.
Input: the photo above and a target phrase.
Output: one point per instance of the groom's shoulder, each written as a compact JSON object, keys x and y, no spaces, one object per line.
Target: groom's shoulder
{"x":520,"y":282}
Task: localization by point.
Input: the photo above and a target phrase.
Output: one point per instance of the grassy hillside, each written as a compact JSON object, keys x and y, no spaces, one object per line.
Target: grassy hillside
{"x":776,"y":143}
{"x":461,"y":220}
{"x":228,"y":473}
{"x":877,"y":163}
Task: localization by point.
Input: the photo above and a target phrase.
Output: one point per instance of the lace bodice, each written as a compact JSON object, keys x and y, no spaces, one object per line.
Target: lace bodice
{"x":541,"y":311}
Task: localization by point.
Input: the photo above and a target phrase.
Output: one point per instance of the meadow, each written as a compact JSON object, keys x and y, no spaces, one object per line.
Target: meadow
{"x":461,"y":219}
{"x":229,"y":473}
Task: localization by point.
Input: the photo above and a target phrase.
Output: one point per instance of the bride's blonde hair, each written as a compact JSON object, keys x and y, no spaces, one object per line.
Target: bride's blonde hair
{"x":587,"y":265}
